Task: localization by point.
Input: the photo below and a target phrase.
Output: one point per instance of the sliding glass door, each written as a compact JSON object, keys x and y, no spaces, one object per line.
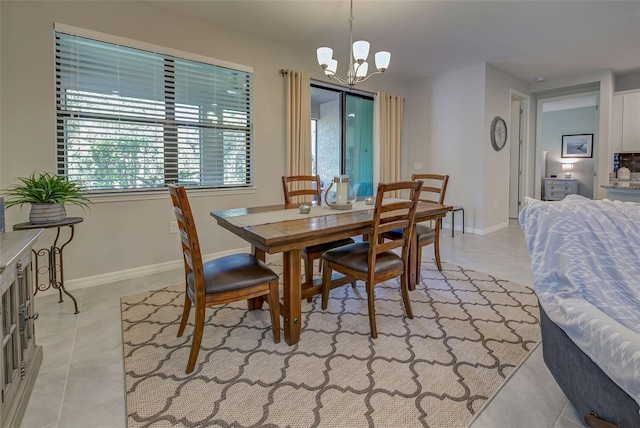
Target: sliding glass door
{"x":358,"y":148}
{"x":342,"y":137}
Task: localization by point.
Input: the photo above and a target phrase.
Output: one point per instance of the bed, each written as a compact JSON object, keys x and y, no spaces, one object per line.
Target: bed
{"x":585,"y":258}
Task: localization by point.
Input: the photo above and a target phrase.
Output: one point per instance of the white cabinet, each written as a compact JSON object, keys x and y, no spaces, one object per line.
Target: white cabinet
{"x":20,"y":358}
{"x":556,"y":189}
{"x":626,"y":122}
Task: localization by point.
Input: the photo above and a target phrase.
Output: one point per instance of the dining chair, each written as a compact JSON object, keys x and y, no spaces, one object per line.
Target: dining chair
{"x":220,"y":281}
{"x":433,"y":190}
{"x":374,"y":260}
{"x":307,"y":188}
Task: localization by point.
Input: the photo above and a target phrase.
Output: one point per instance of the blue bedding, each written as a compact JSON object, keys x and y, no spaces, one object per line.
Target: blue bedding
{"x":585,"y":258}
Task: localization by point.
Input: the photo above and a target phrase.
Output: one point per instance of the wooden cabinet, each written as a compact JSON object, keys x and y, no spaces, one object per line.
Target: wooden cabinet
{"x":556,"y":189}
{"x":626,"y":122}
{"x":20,"y":358}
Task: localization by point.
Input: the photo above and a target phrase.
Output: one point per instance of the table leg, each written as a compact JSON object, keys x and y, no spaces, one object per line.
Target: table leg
{"x":57,"y":252}
{"x":292,"y":305}
{"x":55,"y":268}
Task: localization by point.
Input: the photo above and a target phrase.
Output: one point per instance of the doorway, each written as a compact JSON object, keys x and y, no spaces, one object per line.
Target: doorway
{"x":517,"y":158}
{"x":576,"y":114}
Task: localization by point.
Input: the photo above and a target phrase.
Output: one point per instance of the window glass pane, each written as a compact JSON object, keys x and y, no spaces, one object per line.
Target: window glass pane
{"x":326,"y":112}
{"x":359,"y":144}
{"x":133,"y":119}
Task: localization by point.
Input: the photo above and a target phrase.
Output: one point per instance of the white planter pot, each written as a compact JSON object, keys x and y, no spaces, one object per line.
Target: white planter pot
{"x":47,"y":213}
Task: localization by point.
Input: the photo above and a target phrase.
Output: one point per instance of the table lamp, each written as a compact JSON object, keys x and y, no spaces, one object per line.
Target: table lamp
{"x":567,"y":168}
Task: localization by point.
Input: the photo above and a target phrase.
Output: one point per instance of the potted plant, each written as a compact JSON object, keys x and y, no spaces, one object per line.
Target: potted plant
{"x":47,"y":194}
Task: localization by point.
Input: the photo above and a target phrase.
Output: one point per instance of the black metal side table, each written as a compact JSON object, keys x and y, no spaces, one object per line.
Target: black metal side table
{"x":53,"y":254}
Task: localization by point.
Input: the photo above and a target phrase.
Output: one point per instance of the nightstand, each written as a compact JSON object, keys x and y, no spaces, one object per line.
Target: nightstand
{"x":555,"y":189}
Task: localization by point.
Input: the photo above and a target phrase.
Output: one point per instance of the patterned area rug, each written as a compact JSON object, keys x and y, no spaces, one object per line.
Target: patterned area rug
{"x":470,"y":332}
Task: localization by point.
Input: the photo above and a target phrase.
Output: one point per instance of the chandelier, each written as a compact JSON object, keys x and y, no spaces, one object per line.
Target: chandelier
{"x":358,"y":51}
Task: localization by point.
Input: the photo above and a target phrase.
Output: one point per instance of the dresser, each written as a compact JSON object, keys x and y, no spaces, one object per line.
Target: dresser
{"x":20,"y":358}
{"x":555,"y":189}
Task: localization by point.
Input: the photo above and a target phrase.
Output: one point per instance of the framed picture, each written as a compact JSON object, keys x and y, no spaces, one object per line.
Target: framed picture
{"x":577,"y":146}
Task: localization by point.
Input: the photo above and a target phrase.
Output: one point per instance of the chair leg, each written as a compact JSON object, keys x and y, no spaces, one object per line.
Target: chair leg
{"x":274,"y":310}
{"x":186,"y":308}
{"x":372,"y":309}
{"x":436,"y":249}
{"x":308,"y":272}
{"x":418,"y":262}
{"x":404,"y":288}
{"x":197,"y":338}
{"x":308,"y":269}
{"x":326,"y":284}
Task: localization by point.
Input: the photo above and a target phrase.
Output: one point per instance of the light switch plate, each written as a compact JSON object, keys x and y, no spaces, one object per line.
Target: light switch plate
{"x":417,"y":165}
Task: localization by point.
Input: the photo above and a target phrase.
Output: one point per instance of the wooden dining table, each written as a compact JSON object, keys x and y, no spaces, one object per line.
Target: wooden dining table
{"x":282,"y":229}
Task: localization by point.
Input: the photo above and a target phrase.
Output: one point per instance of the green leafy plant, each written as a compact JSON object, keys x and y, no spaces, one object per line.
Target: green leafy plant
{"x":43,"y":187}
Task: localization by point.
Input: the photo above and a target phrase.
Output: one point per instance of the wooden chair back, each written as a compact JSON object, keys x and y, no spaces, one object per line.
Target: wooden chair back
{"x":393,"y":215}
{"x":434,"y":188}
{"x":190,"y":245}
{"x":301,"y":188}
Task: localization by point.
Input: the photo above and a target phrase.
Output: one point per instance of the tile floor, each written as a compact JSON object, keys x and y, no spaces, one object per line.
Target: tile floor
{"x":81,"y":382}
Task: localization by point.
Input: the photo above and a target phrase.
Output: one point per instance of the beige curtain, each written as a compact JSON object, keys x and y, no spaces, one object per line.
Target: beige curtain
{"x":391,"y":112}
{"x":298,"y":122}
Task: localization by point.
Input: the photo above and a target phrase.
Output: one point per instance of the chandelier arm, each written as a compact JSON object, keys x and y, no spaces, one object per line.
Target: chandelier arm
{"x":335,"y":76}
{"x":367,"y":77}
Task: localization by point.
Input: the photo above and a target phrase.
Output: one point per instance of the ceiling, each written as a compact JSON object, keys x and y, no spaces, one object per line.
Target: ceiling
{"x":528,"y":39}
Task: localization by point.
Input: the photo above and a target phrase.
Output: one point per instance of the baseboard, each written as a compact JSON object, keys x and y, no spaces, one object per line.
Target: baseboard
{"x":107,"y":278}
{"x":493,"y":228}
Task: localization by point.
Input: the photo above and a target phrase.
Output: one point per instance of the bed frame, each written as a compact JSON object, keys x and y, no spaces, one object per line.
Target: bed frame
{"x":586,"y":386}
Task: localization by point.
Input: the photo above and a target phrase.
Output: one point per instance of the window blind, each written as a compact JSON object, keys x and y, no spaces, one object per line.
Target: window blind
{"x":132,"y":119}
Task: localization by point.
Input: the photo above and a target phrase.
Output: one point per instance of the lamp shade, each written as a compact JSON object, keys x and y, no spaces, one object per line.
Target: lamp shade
{"x":360,"y":50}
{"x":361,"y":71}
{"x":383,"y":58}
{"x":332,"y":66}
{"x":567,"y":167}
{"x":324,"y":55}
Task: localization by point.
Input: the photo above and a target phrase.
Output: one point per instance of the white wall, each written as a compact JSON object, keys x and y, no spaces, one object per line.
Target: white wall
{"x":129,"y":233}
{"x":445,"y":115}
{"x":498,"y":86}
{"x":1,"y":50}
{"x":450,"y":116}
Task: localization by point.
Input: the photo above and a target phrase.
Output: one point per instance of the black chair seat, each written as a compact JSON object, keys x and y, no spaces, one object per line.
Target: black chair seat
{"x":233,"y":272}
{"x":321,"y":248}
{"x":424,"y":233}
{"x":356,"y":257}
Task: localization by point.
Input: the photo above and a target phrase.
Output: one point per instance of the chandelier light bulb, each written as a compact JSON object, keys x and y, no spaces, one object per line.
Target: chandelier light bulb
{"x":383,"y":58}
{"x":324,"y":55}
{"x":360,"y":50}
{"x":361,"y":71}
{"x":332,"y":67}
